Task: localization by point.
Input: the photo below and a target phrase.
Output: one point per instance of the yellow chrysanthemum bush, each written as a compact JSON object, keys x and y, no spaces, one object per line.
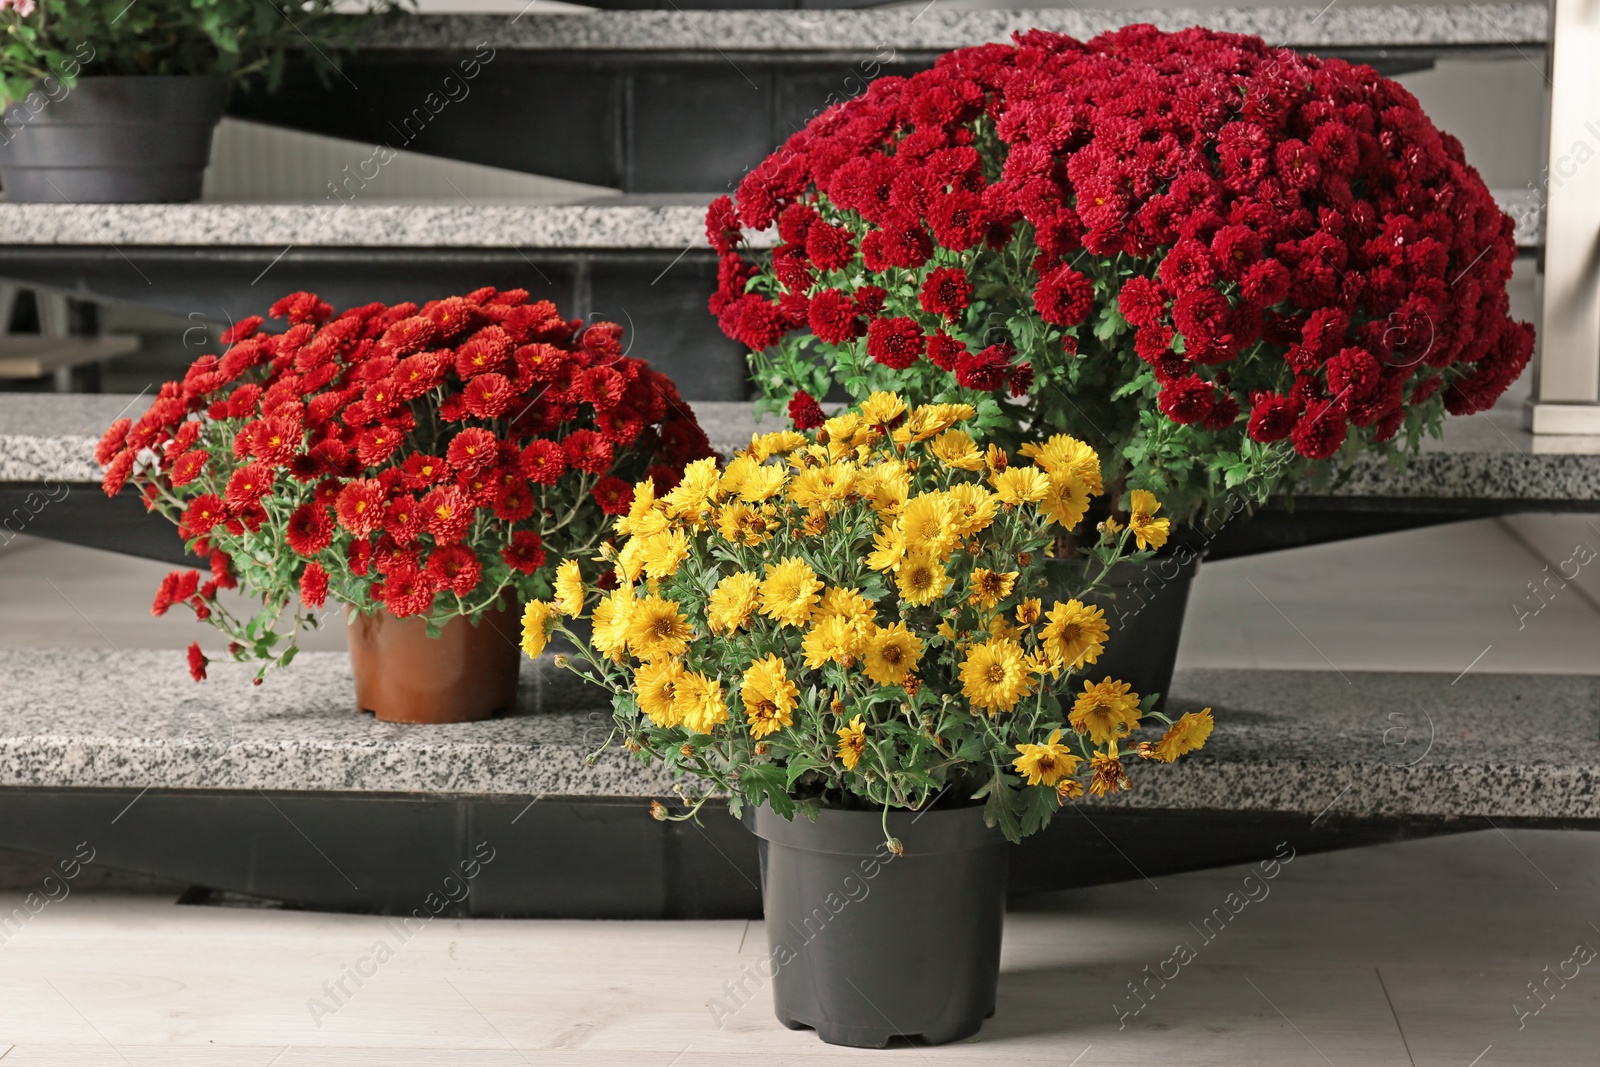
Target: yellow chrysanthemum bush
{"x":865,"y":615}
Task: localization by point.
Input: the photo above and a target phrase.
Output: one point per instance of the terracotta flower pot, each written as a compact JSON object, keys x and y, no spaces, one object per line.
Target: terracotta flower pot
{"x":465,"y":674}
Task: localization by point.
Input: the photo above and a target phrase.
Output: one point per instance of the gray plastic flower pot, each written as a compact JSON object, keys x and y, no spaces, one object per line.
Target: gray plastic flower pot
{"x":111,"y":140}
{"x":865,"y":946}
{"x":1144,"y":605}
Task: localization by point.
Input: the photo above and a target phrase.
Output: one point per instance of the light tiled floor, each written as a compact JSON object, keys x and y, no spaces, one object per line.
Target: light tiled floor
{"x":1407,"y":955}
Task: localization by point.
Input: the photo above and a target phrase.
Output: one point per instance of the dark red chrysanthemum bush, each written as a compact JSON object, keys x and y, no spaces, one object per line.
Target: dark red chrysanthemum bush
{"x":1214,"y":259}
{"x":411,"y":458}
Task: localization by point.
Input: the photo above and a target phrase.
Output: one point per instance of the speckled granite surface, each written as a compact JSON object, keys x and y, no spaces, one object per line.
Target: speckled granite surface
{"x":1295,"y":741}
{"x":48,"y":437}
{"x":659,"y":224}
{"x":914,"y":30}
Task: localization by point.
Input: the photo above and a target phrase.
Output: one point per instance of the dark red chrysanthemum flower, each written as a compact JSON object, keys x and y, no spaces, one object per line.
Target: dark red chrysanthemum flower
{"x":1320,"y":431}
{"x":1272,"y":417}
{"x":946,"y":291}
{"x":1063,"y":297}
{"x":613,"y":495}
{"x":805,"y":412}
{"x":587,"y":451}
{"x":314,"y":585}
{"x":1140,"y":301}
{"x":513,"y":503}
{"x":456,"y":568}
{"x":896,"y":343}
{"x":1185,"y":400}
{"x":525,"y":553}
{"x":472,"y":450}
{"x":829,"y":247}
{"x":834,"y":317}
{"x":945,"y":350}
{"x":446,"y":514}
{"x":310,"y":529}
{"x":360,"y":506}
{"x":542,"y":462}
{"x":986,"y":370}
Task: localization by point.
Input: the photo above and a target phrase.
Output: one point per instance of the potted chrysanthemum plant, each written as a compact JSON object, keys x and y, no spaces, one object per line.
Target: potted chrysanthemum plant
{"x":414,"y":465}
{"x":852,"y":634}
{"x":1218,"y":262}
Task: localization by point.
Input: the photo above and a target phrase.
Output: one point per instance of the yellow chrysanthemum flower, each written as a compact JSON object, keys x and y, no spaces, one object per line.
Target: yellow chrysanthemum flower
{"x":974,"y":506}
{"x":1148,"y":530}
{"x":789,"y":591}
{"x":769,"y":696}
{"x":700,"y":699}
{"x":644,"y":517}
{"x":1067,"y":501}
{"x":880,"y":409}
{"x":1062,"y":454}
{"x":832,"y":639}
{"x":656,"y":686}
{"x":848,"y":603}
{"x":569,"y":588}
{"x":1075,"y":634}
{"x":930,"y":420}
{"x":928,"y":523}
{"x":778,"y":443}
{"x":990,"y":587}
{"x":762,"y":483}
{"x":537,"y":619}
{"x":1109,"y":776}
{"x":732,"y":602}
{"x":629,"y":563}
{"x":921,"y":578}
{"x":1106,"y":711}
{"x":1021,"y":485}
{"x":1028,"y":611}
{"x":852,"y":742}
{"x":656,"y":628}
{"x":994,"y":676}
{"x":734,"y":474}
{"x":663,"y":553}
{"x":892,"y":654}
{"x":995,"y":458}
{"x":1186,"y":735}
{"x":886,"y":487}
{"x":954,"y":448}
{"x":744,"y":524}
{"x":1046,"y":764}
{"x":694,"y":495}
{"x":610,"y":621}
{"x":888,"y":549}
{"x":822,"y":488}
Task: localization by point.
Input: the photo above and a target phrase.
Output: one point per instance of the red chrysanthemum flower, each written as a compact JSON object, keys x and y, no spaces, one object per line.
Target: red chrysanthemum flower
{"x":543,"y":462}
{"x":513,"y":503}
{"x":204,"y":512}
{"x":407,"y":591}
{"x":472,"y":450}
{"x":456,"y":568}
{"x":403,"y":519}
{"x":314,"y":585}
{"x":613,"y":495}
{"x":310,"y":529}
{"x":447,"y":514}
{"x":525,"y":553}
{"x":986,"y":370}
{"x":896,"y":343}
{"x":488,"y":395}
{"x":239,"y":331}
{"x":273,"y":440}
{"x":484,"y":351}
{"x":360,"y":506}
{"x":587,"y":451}
{"x":175,"y":588}
{"x":410,"y":335}
{"x":112,"y":441}
{"x":302,"y":307}
{"x":197,"y":662}
{"x":188,"y":467}
{"x":542,"y":362}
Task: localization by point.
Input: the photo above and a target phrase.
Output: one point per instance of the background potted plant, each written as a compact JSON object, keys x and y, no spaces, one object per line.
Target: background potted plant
{"x":409,"y":463}
{"x":854,"y":625}
{"x":108,"y":101}
{"x":1219,"y":263}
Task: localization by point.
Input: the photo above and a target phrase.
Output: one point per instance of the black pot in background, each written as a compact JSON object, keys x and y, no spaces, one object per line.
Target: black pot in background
{"x":1144,"y":605}
{"x":865,"y":946}
{"x":112,"y":140}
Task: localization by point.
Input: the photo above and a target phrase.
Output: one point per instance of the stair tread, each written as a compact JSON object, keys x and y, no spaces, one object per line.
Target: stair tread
{"x":87,"y":718}
{"x":931,"y":30}
{"x":665,"y":222}
{"x":33,"y":356}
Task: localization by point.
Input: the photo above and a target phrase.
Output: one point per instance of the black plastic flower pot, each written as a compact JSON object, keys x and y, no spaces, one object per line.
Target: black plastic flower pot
{"x":866,"y":946}
{"x":111,"y":140}
{"x":1144,"y":605}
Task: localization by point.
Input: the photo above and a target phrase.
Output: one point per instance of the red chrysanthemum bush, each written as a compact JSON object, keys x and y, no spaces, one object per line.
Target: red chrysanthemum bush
{"x":1215,"y":260}
{"x":414,"y":459}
